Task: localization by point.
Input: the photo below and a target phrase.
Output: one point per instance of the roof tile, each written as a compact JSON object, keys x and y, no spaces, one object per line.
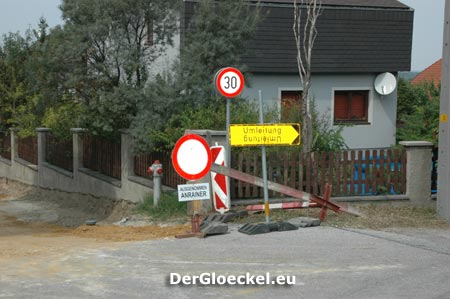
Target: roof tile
{"x":433,"y":73}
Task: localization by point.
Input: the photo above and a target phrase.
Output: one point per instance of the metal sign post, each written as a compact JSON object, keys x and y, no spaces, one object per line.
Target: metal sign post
{"x":228,"y":148}
{"x":264,"y":163}
{"x":229,"y":82}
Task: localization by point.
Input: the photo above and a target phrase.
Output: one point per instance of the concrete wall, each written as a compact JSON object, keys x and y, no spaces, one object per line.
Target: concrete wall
{"x":136,"y":189}
{"x":382,"y":109}
{"x":81,"y":180}
{"x":16,"y":168}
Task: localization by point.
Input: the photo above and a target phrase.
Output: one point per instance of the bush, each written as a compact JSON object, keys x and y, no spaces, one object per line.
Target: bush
{"x":326,"y":136}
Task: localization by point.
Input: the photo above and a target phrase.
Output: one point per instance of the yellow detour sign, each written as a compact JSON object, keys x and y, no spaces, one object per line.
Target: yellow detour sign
{"x":264,"y":134}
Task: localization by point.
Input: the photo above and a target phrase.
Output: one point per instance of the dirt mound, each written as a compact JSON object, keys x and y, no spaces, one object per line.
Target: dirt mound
{"x":34,"y":204}
{"x":129,"y":233}
{"x":38,"y":223}
{"x":12,"y":189}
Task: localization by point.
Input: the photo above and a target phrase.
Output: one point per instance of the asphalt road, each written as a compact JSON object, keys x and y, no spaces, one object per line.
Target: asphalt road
{"x":326,"y":262}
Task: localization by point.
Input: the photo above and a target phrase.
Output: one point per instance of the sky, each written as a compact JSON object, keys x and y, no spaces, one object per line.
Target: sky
{"x":20,"y":15}
{"x":428,"y":32}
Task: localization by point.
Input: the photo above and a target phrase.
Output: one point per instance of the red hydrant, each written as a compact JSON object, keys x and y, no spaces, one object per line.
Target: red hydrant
{"x":156,"y":171}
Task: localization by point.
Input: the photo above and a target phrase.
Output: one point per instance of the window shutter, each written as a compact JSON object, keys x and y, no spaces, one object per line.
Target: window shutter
{"x":290,"y":98}
{"x":341,"y":106}
{"x":358,"y":107}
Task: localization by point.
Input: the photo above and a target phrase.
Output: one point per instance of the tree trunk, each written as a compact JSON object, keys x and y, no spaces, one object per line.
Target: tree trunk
{"x":304,"y":38}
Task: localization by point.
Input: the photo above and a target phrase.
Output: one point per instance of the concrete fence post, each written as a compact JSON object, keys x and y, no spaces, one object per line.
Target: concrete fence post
{"x":126,"y":152}
{"x":41,"y":143}
{"x":77,"y":140}
{"x":418,"y":172}
{"x":14,"y":144}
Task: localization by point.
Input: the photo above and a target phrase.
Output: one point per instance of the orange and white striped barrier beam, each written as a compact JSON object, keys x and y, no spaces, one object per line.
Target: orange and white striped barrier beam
{"x":286,"y":205}
{"x":303,"y":196}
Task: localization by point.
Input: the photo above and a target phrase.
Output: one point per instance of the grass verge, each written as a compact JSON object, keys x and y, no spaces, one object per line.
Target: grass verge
{"x":169,"y":208}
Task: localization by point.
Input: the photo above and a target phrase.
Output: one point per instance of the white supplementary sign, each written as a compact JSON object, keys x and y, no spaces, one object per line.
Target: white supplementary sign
{"x":191,"y":192}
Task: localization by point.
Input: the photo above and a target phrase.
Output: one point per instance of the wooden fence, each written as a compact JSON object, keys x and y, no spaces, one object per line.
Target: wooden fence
{"x":352,"y":173}
{"x":170,"y":176}
{"x":28,"y":149}
{"x":5,"y":146}
{"x":59,"y":152}
{"x":102,"y":155}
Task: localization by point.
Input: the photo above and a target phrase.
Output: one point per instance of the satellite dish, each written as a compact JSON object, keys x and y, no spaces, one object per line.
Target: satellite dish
{"x":385,"y":83}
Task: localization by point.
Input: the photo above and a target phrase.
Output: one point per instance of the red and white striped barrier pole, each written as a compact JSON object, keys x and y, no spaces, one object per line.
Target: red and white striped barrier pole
{"x":287,"y":205}
{"x":219,"y":181}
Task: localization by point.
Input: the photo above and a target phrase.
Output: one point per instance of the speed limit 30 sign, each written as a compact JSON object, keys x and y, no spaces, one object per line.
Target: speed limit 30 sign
{"x":229,"y":82}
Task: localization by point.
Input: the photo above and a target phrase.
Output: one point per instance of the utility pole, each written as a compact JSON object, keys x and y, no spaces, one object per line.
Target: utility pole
{"x":443,"y":195}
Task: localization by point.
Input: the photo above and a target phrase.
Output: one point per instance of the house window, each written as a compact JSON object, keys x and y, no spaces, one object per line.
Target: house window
{"x":351,"y":106}
{"x":290,"y":105}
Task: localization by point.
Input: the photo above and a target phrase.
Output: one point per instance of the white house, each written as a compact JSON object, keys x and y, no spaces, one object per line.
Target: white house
{"x":357,"y":40}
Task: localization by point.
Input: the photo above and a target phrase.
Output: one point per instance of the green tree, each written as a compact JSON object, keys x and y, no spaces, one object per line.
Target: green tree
{"x":216,"y":37}
{"x":156,"y":109}
{"x":111,"y":46}
{"x":32,"y":78}
{"x":8,"y":92}
{"x":418,"y":112}
{"x":96,"y":64}
{"x":113,"y":36}
{"x":18,"y":100}
{"x":409,"y":97}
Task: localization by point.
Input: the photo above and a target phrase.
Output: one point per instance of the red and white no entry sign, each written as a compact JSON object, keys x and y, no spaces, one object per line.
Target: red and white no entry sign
{"x":191,"y":157}
{"x":229,"y":82}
